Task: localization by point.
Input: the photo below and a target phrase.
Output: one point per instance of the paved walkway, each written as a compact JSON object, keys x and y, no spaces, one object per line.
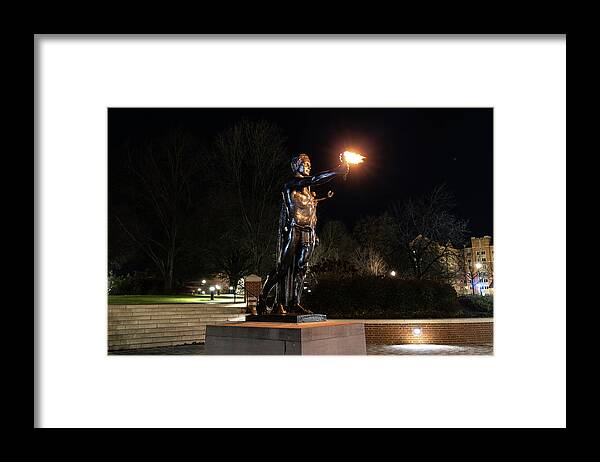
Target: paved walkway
{"x":371,"y":350}
{"x":487,"y":349}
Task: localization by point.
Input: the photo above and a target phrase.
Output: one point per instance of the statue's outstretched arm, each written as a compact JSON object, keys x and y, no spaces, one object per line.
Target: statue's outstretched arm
{"x":324,"y":177}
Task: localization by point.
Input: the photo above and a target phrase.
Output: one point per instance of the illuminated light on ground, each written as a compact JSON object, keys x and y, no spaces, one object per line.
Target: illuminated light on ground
{"x":417,"y":331}
{"x":427,"y":347}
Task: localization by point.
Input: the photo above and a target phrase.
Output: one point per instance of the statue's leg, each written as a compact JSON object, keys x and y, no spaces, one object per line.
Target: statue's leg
{"x":276,"y":276}
{"x":270,"y":281}
{"x":301,"y":265}
{"x":285,"y":283}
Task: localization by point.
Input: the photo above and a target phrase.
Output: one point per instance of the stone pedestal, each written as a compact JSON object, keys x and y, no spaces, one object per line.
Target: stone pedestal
{"x":272,"y":338}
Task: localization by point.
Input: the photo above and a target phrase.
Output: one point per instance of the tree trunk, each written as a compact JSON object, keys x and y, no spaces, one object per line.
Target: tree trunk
{"x":168,"y":286}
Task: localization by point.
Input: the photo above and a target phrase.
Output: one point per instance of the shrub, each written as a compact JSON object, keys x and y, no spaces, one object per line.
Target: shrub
{"x":377,"y":297}
{"x":478,"y":303}
{"x":332,"y":268}
{"x":113,"y":282}
{"x":136,"y":283}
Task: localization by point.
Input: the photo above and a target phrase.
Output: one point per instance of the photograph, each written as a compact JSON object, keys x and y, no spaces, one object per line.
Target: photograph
{"x":300,"y":231}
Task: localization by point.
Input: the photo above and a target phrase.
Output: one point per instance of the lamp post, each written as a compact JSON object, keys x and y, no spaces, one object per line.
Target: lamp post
{"x":478,"y":267}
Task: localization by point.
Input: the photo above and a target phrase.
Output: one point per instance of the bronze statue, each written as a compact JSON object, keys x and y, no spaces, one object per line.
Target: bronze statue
{"x":296,"y":237}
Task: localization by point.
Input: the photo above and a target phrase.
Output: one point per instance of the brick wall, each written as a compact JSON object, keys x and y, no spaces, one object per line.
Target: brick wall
{"x":144,"y":326}
{"x":439,"y":331}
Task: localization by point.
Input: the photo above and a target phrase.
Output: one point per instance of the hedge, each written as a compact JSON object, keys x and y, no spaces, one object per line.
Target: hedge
{"x":370,"y":297}
{"x":478,"y":304}
{"x":136,"y":283}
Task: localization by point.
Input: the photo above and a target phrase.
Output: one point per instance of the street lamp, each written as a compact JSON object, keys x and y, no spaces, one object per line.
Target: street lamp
{"x":478,"y":267}
{"x":392,"y":273}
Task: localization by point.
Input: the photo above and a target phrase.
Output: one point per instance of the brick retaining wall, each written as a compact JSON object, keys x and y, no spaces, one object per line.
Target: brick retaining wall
{"x":435,"y":331}
{"x":144,"y":326}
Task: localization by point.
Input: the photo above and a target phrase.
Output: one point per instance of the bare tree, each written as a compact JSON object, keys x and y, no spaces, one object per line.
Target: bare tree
{"x":368,"y":261}
{"x":162,"y":170}
{"x":377,"y":232}
{"x":252,"y":165}
{"x":469,"y":276}
{"x":428,"y":234}
{"x":230,"y":259}
{"x":335,"y":243}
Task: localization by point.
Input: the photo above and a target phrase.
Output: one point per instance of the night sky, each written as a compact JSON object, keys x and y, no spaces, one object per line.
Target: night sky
{"x":409,"y":151}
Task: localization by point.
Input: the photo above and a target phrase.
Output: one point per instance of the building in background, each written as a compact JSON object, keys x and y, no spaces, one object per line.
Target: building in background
{"x":478,"y":271}
{"x":470,"y":270}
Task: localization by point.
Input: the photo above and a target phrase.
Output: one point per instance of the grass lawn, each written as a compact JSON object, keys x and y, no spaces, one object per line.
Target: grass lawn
{"x":165,"y":299}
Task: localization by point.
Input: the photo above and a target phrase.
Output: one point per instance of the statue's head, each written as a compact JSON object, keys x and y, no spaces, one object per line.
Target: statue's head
{"x":301,"y":164}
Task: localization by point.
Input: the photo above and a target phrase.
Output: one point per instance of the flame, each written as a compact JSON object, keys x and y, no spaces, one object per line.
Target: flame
{"x":352,"y":157}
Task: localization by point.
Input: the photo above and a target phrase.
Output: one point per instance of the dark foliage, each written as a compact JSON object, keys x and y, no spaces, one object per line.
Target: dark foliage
{"x":477,"y":303}
{"x":385,"y":298}
{"x":333,"y":268}
{"x":135,"y":283}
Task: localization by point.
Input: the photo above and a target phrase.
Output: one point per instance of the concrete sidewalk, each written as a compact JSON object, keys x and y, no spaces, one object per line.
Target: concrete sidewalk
{"x":372,"y":350}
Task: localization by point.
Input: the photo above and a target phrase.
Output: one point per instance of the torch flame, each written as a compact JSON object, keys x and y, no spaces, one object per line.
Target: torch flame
{"x":352,"y":157}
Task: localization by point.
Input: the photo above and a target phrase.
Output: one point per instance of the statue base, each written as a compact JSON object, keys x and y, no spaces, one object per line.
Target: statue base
{"x":286,"y":338}
{"x":289,"y":317}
